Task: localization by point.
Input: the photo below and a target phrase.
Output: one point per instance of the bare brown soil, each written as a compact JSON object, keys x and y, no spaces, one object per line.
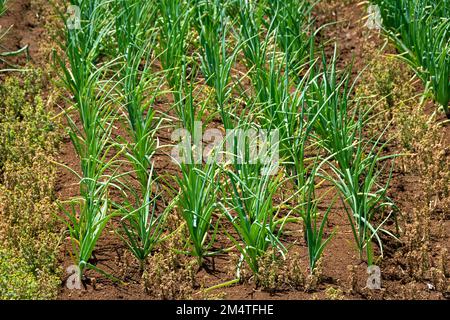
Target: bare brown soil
{"x":111,"y":256}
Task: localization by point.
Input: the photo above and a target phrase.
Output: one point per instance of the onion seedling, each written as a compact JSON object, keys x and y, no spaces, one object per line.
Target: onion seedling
{"x":250,"y":20}
{"x":251,"y":211}
{"x":314,"y":227}
{"x":293,"y":24}
{"x":174,"y":26}
{"x":197,"y":202}
{"x":250,"y":187}
{"x":197,"y":185}
{"x":216,"y":63}
{"x":91,"y":140}
{"x":142,"y":227}
{"x":355,"y":163}
{"x":92,"y":145}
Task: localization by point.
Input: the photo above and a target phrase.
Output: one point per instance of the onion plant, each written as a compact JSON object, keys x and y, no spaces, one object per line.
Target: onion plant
{"x":174,"y":26}
{"x":364,"y":194}
{"x":270,"y":77}
{"x":250,"y":21}
{"x":314,"y":224}
{"x":293,"y":23}
{"x":421,"y":30}
{"x":188,"y":111}
{"x":92,"y":145}
{"x":81,"y":75}
{"x":197,"y":202}
{"x":213,"y":26}
{"x":279,"y":98}
{"x":252,"y":181}
{"x":254,"y":45}
{"x":197,"y":185}
{"x":134,"y":21}
{"x":285,"y":112}
{"x":281,"y":104}
{"x":354,"y":161}
{"x":251,"y":211}
{"x":96,"y":26}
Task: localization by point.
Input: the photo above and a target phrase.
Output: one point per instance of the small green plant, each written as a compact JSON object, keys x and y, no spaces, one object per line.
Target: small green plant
{"x":88,"y":215}
{"x":197,"y":202}
{"x":213,"y":28}
{"x":197,"y":199}
{"x":313,"y":224}
{"x":174,"y":24}
{"x":251,"y":212}
{"x":142,"y":226}
{"x":250,"y":187}
{"x":278,"y":107}
{"x":250,"y":23}
{"x":292,"y":22}
{"x":364,"y":195}
{"x":354,"y":161}
{"x":2,"y":7}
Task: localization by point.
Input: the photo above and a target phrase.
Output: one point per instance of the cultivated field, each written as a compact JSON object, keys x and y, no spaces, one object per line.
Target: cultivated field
{"x":224,"y":149}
